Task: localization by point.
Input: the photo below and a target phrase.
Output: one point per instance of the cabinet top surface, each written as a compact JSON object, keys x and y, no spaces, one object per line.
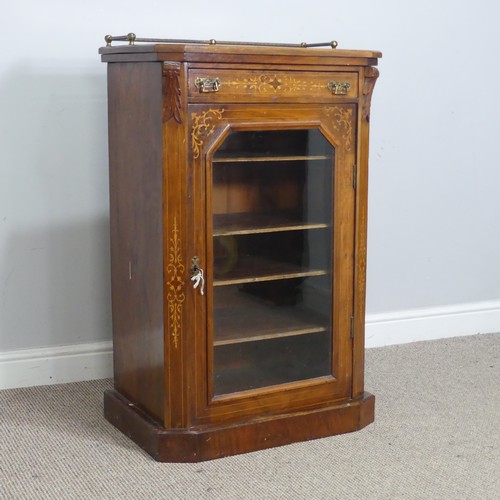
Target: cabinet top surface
{"x":232,"y":53}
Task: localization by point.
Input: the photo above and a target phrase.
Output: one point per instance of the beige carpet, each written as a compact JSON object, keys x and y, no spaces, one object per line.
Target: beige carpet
{"x":436,"y":436}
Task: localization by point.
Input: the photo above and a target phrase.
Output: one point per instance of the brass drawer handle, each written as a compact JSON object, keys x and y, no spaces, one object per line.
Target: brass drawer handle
{"x":207,"y":84}
{"x":338,"y":88}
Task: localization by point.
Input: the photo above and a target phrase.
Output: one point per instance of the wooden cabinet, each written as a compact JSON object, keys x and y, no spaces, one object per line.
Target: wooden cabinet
{"x":238,"y":179}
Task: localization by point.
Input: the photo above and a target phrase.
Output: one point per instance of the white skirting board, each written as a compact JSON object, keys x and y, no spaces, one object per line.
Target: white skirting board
{"x":56,"y":365}
{"x":74,"y":363}
{"x":432,"y":323}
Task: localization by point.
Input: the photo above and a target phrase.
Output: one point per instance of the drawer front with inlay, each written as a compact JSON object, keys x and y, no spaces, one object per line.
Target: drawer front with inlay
{"x":271,"y":86}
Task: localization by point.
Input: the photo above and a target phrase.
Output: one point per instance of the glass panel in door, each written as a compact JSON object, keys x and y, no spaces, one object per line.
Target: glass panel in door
{"x":272,"y":244}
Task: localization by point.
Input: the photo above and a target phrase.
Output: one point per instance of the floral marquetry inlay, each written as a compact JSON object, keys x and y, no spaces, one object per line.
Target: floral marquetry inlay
{"x":273,"y":83}
{"x":175,"y":285}
{"x":342,"y":122}
{"x":203,"y":126}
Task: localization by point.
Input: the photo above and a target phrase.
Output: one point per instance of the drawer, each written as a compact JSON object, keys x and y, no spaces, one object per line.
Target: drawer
{"x":276,"y":86}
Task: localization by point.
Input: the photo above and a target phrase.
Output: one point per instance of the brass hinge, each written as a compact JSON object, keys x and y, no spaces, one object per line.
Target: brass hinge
{"x":354,"y":176}
{"x":352,"y":327}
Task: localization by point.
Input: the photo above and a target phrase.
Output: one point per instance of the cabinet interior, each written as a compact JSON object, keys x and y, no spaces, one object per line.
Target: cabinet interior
{"x":272,"y":219}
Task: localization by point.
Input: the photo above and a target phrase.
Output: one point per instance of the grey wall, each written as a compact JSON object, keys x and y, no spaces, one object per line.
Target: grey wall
{"x":434,"y":236}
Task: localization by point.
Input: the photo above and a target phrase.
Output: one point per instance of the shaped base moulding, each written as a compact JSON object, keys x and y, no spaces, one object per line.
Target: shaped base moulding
{"x":202,"y":443}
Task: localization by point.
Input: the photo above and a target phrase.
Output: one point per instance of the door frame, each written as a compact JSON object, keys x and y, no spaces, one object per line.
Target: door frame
{"x":216,"y":126}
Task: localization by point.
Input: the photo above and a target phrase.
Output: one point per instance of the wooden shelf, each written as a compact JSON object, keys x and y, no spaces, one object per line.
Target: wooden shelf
{"x":252,"y":321}
{"x":251,"y":159}
{"x":255,"y":269}
{"x":255,"y":223}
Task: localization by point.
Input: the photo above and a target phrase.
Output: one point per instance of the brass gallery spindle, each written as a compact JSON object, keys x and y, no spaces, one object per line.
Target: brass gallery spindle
{"x":131,"y":38}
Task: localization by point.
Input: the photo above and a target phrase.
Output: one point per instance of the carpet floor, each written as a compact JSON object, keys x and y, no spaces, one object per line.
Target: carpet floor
{"x":436,"y":436}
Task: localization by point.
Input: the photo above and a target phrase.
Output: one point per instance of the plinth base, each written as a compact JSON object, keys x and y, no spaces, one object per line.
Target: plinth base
{"x":209,"y":442}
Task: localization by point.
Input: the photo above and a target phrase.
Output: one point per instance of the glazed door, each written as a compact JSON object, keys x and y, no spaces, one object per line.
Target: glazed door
{"x":277,"y":260}
{"x":271,"y":246}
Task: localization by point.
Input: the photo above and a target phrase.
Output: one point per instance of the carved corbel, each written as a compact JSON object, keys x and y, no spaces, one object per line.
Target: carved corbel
{"x":172,"y":109}
{"x":371,"y":75}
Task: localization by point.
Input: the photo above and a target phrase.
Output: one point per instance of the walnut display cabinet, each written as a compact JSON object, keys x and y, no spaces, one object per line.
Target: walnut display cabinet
{"x":238,"y":193}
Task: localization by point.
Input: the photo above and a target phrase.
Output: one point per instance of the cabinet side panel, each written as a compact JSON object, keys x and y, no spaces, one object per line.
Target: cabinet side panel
{"x":368,"y":82}
{"x":135,"y":163}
